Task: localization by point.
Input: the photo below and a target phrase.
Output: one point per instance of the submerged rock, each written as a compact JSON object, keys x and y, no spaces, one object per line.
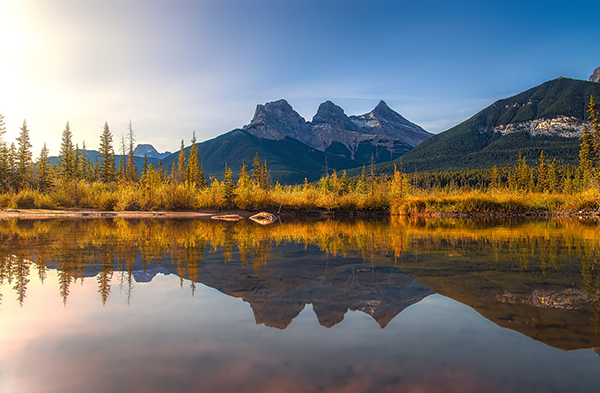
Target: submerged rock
{"x":227,"y":217}
{"x":264,"y":218}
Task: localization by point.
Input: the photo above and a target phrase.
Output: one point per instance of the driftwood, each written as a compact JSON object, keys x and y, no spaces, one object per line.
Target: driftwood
{"x":264,"y":218}
{"x":227,"y":217}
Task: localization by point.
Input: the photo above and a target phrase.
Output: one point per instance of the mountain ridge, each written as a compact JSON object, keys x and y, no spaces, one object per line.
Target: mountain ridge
{"x":297,"y":150}
{"x":547,"y":117}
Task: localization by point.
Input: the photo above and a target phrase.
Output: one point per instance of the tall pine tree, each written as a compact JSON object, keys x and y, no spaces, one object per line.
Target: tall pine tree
{"x":24,"y":160}
{"x":107,"y":154}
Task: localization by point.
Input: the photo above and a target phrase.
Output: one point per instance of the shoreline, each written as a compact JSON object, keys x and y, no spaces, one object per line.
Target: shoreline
{"x":10,"y":214}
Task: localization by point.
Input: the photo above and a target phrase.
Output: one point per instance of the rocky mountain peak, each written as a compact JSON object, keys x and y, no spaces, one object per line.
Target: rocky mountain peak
{"x":382,"y":107}
{"x":595,"y":77}
{"x":276,"y":120}
{"x":383,"y":120}
{"x":149,"y":151}
{"x":330,"y":113}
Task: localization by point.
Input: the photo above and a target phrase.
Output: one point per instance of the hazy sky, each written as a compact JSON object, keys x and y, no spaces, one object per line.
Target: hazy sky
{"x":173,"y":67}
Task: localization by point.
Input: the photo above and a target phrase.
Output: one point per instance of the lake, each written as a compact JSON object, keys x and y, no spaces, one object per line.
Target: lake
{"x":303,"y":305}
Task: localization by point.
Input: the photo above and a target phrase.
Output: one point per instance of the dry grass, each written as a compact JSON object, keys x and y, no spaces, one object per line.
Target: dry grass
{"x":383,"y":197}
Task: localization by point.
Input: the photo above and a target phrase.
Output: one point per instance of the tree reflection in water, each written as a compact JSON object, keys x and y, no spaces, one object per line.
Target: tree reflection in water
{"x":523,"y":274}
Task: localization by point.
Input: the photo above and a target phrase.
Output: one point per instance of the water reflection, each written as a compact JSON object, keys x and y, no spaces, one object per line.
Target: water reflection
{"x":541,"y":278}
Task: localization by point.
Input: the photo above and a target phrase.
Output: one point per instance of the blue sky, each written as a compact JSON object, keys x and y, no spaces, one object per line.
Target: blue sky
{"x":174,"y":67}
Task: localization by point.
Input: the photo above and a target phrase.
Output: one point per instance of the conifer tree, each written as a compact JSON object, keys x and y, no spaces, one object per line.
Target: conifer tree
{"x":522,"y":174}
{"x":585,"y":154}
{"x":66,"y":159}
{"x":145,"y":166}
{"x":131,"y":172}
{"x":121,"y":169}
{"x":494,"y":181}
{"x":554,"y":177}
{"x":180,"y":173}
{"x":265,"y":177}
{"x":244,"y":179}
{"x":256,"y":171}
{"x":2,"y":128}
{"x":107,"y":165}
{"x":85,"y":165}
{"x":96,"y":170}
{"x":193,"y":169}
{"x":202,"y":182}
{"x":228,"y":188}
{"x":361,"y":185}
{"x":543,"y":179}
{"x":4,"y":158}
{"x":4,"y":167}
{"x":77,"y":157}
{"x":12,"y":166}
{"x":43,"y":170}
{"x":24,"y":160}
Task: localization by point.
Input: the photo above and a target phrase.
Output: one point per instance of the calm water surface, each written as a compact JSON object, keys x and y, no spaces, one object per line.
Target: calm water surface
{"x":160,"y":305}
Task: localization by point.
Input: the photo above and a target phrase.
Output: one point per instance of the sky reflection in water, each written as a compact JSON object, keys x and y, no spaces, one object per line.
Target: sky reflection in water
{"x":168,"y":335}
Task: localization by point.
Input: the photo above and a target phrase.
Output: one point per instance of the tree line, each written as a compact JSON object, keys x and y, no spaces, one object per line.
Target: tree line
{"x":78,"y":181}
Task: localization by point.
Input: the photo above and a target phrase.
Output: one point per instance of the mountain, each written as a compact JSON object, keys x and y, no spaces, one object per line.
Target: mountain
{"x":149,"y":151}
{"x":382,"y":133}
{"x":595,"y":77}
{"x":296,"y":150}
{"x":548,"y":117}
{"x":289,"y":161}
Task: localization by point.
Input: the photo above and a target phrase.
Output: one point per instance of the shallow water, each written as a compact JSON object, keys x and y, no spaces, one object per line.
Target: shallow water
{"x":107,"y":305}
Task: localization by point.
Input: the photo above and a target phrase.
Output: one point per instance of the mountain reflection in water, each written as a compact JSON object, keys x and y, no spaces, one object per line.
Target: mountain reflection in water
{"x":541,"y":278}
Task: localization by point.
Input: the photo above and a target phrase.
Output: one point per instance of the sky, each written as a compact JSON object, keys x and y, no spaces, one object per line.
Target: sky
{"x":176,"y":67}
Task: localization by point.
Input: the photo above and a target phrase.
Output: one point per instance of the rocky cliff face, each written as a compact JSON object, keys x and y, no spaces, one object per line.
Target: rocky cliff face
{"x":276,"y":120}
{"x":384,"y":121}
{"x":563,"y":126}
{"x":595,"y":77}
{"x":382,"y":128}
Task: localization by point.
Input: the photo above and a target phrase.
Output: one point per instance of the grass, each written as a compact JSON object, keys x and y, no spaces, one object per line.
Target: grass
{"x":383,"y":197}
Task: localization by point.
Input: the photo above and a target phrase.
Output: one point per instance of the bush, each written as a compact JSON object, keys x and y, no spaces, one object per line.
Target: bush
{"x":25,"y":201}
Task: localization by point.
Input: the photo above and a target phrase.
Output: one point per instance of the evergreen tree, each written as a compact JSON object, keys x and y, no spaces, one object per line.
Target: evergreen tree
{"x":4,"y":158}
{"x":24,"y":160}
{"x":265,"y":177}
{"x":121,"y":171}
{"x":96,"y":170}
{"x":4,"y":167}
{"x":494,"y":185}
{"x":361,"y":185}
{"x":12,"y":167}
{"x":77,"y":157}
{"x":85,"y":165}
{"x":244,"y":180}
{"x":131,"y":173}
{"x":66,"y":158}
{"x":554,"y":177}
{"x":522,"y":174}
{"x":595,"y":131}
{"x":145,"y":166}
{"x":193,"y":169}
{"x":107,"y":165}
{"x":585,"y":153}
{"x":228,"y":188}
{"x":43,"y":170}
{"x":256,"y":171}
{"x":2,"y":128}
{"x":202,"y":182}
{"x":180,"y":173}
{"x":543,"y":184}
